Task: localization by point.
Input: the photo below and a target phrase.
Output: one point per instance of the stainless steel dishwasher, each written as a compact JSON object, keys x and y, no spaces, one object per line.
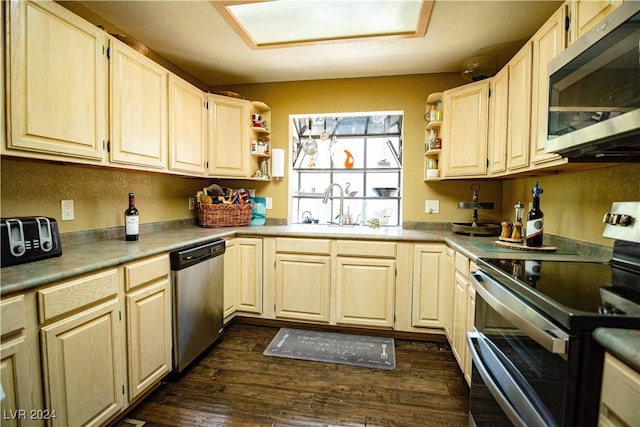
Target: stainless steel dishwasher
{"x":197,"y":300}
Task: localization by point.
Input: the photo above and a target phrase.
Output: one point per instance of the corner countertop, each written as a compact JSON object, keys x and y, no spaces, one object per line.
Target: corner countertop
{"x":622,"y":343}
{"x":79,"y":259}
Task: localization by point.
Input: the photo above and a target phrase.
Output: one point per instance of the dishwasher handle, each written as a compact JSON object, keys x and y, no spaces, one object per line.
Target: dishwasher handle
{"x":192,"y":255}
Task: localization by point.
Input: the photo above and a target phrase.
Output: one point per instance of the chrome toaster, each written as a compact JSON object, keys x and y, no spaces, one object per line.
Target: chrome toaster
{"x":28,"y":239}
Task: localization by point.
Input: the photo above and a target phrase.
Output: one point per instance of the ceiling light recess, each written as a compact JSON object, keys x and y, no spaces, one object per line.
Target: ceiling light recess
{"x":281,"y":23}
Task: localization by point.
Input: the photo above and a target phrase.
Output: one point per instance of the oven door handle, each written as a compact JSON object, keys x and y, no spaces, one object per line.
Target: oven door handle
{"x":520,"y":314}
{"x":510,"y":390}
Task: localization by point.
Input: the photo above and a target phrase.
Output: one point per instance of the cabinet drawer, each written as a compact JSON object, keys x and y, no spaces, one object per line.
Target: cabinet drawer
{"x":306,"y":246}
{"x":12,"y":314}
{"x":366,"y":248}
{"x":620,"y":393}
{"x":75,"y":294}
{"x":141,"y":272}
{"x":462,"y":264}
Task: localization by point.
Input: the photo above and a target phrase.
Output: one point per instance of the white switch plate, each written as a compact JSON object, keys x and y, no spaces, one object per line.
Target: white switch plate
{"x":192,"y":203}
{"x":66,"y":207}
{"x":432,"y":206}
{"x":268,"y":203}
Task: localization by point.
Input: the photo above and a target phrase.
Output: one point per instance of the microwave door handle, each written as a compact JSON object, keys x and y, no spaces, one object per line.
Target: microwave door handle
{"x":552,"y":343}
{"x":496,"y":377}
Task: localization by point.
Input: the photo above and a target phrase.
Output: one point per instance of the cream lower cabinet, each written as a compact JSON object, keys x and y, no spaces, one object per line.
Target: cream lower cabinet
{"x":243,"y":279}
{"x":82,"y":349}
{"x":57,"y":74}
{"x":620,"y":394}
{"x":20,"y":364}
{"x":303,"y":279}
{"x":148,"y":314}
{"x":429,"y":291}
{"x":364,"y":292}
{"x":463,"y":313}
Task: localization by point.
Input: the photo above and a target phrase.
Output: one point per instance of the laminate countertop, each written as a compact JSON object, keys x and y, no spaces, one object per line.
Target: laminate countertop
{"x":622,"y":343}
{"x":87,"y":257}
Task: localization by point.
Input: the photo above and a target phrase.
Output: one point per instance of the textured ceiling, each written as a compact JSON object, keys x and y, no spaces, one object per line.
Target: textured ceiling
{"x":195,"y":37}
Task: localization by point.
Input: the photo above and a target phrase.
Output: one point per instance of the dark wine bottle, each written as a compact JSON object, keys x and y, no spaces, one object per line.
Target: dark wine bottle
{"x":131,"y":220}
{"x":535,"y":220}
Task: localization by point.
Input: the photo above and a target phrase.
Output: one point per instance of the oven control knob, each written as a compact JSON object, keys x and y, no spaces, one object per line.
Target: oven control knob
{"x":18,"y":249}
{"x":46,"y":245}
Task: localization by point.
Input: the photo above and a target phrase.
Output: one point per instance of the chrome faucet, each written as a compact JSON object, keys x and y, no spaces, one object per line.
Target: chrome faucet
{"x":326,"y":198}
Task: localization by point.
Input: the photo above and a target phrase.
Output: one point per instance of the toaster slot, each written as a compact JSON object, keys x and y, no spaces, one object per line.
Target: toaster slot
{"x":44,"y":233}
{"x":17,"y":245}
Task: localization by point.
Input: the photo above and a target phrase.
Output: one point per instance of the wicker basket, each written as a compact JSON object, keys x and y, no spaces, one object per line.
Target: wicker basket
{"x":224,"y":215}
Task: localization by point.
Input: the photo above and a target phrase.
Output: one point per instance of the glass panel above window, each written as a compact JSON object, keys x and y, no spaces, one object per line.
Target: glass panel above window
{"x":361,"y":153}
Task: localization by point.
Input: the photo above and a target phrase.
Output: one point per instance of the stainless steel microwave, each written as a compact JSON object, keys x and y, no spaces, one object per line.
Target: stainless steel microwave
{"x":594,"y":92}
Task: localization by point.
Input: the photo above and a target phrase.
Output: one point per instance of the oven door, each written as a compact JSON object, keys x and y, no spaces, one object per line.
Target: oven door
{"x":520,"y":370}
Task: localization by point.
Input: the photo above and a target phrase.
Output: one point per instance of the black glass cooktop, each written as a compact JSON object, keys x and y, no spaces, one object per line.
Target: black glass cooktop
{"x":571,"y":291}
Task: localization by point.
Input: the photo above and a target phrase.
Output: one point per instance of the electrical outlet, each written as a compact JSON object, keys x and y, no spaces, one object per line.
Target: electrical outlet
{"x":66,"y":207}
{"x":432,"y":206}
{"x":268,"y":203}
{"x":192,"y":203}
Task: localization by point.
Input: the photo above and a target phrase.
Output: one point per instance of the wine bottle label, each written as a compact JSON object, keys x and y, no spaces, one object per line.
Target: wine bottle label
{"x":534,"y":227}
{"x":131,"y":225}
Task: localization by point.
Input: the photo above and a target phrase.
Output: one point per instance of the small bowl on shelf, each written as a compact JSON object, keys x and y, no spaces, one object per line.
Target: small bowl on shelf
{"x":385,"y":191}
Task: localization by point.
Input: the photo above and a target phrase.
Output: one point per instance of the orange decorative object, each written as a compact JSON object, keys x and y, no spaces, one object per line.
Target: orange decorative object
{"x":348,"y":163}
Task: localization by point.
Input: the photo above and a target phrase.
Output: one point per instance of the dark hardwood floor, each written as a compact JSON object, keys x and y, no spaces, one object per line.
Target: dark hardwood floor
{"x":234,"y":384}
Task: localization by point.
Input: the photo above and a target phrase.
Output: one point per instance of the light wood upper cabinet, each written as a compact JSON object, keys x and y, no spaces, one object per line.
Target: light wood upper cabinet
{"x":498,"y":121}
{"x":548,"y":42}
{"x":228,"y":143}
{"x":519,"y":117}
{"x":187,"y":127}
{"x":465,"y":123}
{"x":138,"y":109}
{"x":57,"y":96}
{"x":587,"y":13}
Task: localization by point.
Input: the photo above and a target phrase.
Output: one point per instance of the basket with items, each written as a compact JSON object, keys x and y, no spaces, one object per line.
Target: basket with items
{"x":218,"y":207}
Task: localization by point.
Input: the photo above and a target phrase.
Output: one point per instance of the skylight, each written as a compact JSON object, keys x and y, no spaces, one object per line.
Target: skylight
{"x":291,"y":22}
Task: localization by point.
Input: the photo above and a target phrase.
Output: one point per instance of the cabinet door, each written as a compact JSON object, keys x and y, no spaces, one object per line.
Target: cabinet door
{"x":228,"y":136}
{"x":57,"y":69}
{"x":548,"y":42}
{"x":82,"y":362}
{"x":229,"y":297}
{"x":303,"y":286}
{"x":364,"y":292}
{"x":138,"y":109}
{"x":428,"y":286}
{"x":187,"y":127}
{"x":148,"y":335}
{"x":465,"y":123}
{"x":591,"y":12}
{"x":498,"y":121}
{"x":458,"y":345}
{"x":447,"y":293}
{"x":248,"y":275}
{"x":519,"y":121}
{"x":469,"y":320}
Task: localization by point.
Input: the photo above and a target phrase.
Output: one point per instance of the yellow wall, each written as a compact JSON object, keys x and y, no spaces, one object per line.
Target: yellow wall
{"x":404,"y":93}
{"x":100,"y":195}
{"x":574,"y":203}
